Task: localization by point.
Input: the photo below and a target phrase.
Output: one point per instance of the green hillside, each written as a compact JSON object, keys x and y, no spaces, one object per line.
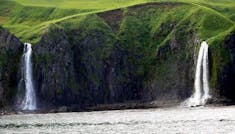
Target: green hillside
{"x":28,"y":19}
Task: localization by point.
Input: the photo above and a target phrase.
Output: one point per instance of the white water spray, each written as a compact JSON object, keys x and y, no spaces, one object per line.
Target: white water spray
{"x":29,"y":100}
{"x":201,"y":83}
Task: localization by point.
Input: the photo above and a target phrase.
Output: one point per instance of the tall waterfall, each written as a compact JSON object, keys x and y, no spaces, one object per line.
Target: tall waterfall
{"x":201,"y":83}
{"x":29,"y":99}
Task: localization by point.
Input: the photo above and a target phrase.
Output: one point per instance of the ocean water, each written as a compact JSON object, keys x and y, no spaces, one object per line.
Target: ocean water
{"x":176,"y":120}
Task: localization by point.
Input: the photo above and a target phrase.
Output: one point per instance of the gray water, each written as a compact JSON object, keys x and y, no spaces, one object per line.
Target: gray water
{"x":200,"y":120}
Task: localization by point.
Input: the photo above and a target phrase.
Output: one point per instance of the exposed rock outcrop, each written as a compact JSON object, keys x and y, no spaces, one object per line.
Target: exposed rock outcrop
{"x":140,"y":54}
{"x":76,"y":68}
{"x":10,"y":53}
{"x":174,"y":70}
{"x":94,"y":61}
{"x":227,"y":78}
{"x":54,"y":68}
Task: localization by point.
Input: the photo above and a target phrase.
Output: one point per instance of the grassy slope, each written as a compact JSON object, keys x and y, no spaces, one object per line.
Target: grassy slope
{"x":28,"y":19}
{"x":226,"y":7}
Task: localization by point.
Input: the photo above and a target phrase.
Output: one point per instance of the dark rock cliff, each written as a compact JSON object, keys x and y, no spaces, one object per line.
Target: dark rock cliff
{"x":92,"y":64}
{"x":91,"y":70}
{"x":227,"y":77}
{"x":10,"y":53}
{"x":54,"y":68}
{"x":121,"y":56}
{"x":173,"y":79}
{"x":101,"y":59}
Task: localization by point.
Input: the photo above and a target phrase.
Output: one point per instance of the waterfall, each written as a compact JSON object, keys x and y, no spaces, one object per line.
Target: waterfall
{"x":29,"y":99}
{"x":201,"y":83}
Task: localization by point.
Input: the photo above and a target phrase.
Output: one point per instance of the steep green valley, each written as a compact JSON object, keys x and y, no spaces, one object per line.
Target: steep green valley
{"x":87,"y":53}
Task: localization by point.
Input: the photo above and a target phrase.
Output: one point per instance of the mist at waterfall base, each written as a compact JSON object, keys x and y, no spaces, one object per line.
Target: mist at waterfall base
{"x":26,"y":93}
{"x":201,"y":82}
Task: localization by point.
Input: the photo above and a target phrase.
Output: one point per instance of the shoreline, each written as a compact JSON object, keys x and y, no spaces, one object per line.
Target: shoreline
{"x":98,"y":107}
{"x":106,"y":107}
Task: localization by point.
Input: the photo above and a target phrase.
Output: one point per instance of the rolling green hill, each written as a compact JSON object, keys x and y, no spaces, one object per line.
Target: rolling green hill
{"x":28,"y":19}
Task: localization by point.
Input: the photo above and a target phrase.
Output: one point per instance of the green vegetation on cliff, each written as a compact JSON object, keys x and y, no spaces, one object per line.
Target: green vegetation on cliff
{"x":146,"y":42}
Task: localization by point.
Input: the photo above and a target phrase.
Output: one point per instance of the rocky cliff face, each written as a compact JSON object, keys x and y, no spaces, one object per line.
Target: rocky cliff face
{"x":119,"y":56}
{"x":227,"y":77}
{"x":142,"y":53}
{"x":97,"y":62}
{"x":10,"y":53}
{"x":81,"y":69}
{"x":54,"y":68}
{"x":173,"y":78}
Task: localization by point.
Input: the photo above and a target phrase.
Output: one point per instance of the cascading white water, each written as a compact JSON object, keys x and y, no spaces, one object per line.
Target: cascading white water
{"x":29,"y":100}
{"x":201,"y":83}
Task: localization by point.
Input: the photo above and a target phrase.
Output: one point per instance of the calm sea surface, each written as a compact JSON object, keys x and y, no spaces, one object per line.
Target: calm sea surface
{"x":169,"y":120}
